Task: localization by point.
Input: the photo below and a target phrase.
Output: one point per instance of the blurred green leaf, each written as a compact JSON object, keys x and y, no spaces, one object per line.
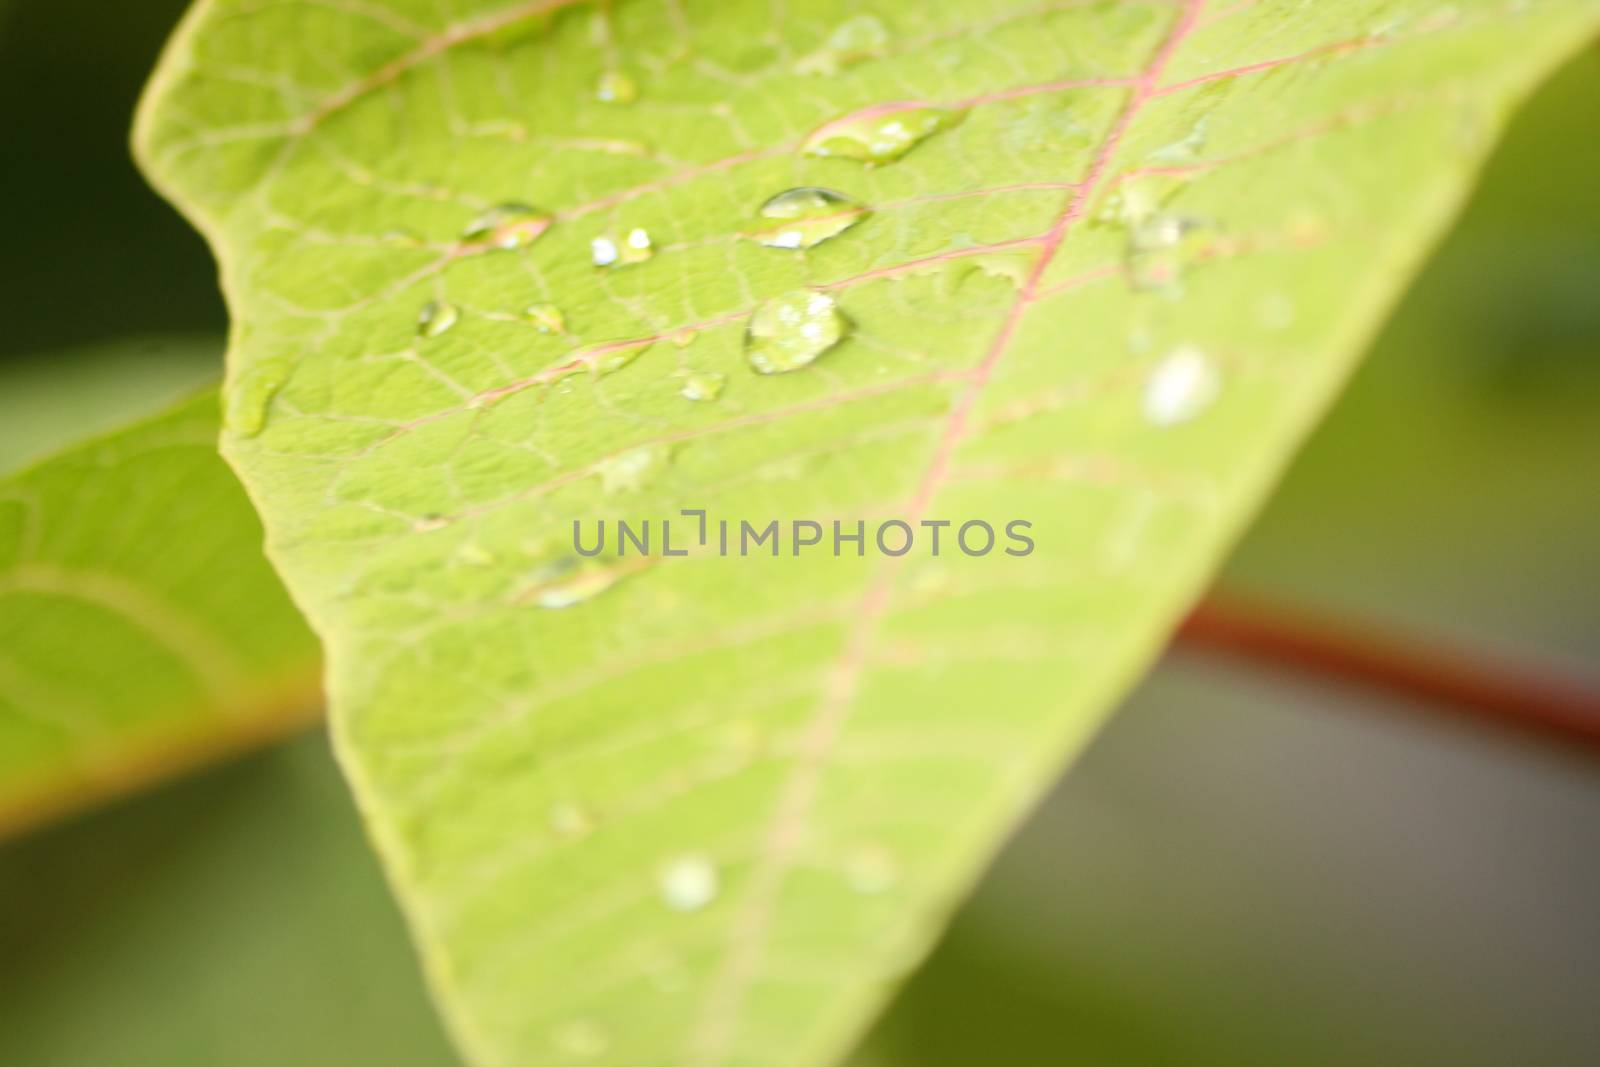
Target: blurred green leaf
{"x":142,"y":631}
{"x":709,"y":815}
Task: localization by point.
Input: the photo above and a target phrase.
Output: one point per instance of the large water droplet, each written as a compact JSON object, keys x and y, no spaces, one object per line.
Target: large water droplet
{"x":547,"y":318}
{"x":701,"y":385}
{"x":689,"y":883}
{"x":790,"y":331}
{"x":805,"y":217}
{"x":1180,"y":387}
{"x":608,"y":251}
{"x":875,"y":137}
{"x":615,"y":87}
{"x":571,"y":580}
{"x":436,"y":317}
{"x":631,"y":471}
{"x":251,"y":396}
{"x":507,"y":226}
{"x":855,"y":39}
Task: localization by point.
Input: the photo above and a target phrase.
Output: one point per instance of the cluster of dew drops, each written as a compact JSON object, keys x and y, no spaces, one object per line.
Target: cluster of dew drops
{"x":792,"y":330}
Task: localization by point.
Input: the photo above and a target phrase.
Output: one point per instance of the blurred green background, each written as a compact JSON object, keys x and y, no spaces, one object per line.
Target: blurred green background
{"x":1249,"y":867}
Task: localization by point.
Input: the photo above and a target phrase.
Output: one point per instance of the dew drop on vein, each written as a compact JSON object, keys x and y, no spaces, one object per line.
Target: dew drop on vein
{"x":507,"y":226}
{"x":689,"y":883}
{"x":805,"y":217}
{"x":701,"y":385}
{"x":547,"y":318}
{"x":250,"y":397}
{"x":631,"y":471}
{"x":436,"y":317}
{"x":790,"y":331}
{"x":608,"y":251}
{"x":875,"y":138}
{"x":852,"y":41}
{"x":616,"y":87}
{"x":569,"y":581}
{"x":1180,"y":387}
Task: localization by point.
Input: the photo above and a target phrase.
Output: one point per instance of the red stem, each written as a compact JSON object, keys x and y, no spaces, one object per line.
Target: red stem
{"x":1454,"y":683}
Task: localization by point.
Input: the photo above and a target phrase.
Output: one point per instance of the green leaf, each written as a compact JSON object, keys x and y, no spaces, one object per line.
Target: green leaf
{"x":1113,"y":259}
{"x":141,"y":630}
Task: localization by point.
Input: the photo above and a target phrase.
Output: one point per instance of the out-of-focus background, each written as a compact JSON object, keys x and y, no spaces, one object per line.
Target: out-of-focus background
{"x":1250,"y":866}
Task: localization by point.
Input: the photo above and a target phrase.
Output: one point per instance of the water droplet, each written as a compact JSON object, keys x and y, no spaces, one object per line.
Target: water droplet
{"x":790,"y":331}
{"x":436,"y":317}
{"x":1185,"y":148}
{"x":570,"y":581}
{"x":701,"y":385}
{"x":251,"y":395}
{"x":569,"y":820}
{"x":871,"y":870}
{"x":615,"y":87}
{"x":507,"y":226}
{"x":881,"y":136}
{"x":400,"y":238}
{"x":689,"y":883}
{"x":1156,"y":253}
{"x":547,"y":318}
{"x":429,"y":523}
{"x":608,"y":251}
{"x":631,"y":471}
{"x":805,"y":217}
{"x":1180,"y":387}
{"x":582,"y":1039}
{"x":855,"y":39}
{"x":475,"y":555}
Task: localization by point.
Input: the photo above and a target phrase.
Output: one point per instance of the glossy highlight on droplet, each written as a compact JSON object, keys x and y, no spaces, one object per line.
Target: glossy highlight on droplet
{"x":790,"y":331}
{"x":856,"y":39}
{"x":508,"y":226}
{"x":875,"y":137}
{"x":436,"y":317}
{"x":805,"y":217}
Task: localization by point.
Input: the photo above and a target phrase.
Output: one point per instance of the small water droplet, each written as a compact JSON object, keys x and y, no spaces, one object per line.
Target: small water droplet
{"x":1156,"y":253}
{"x":805,"y":217}
{"x":400,"y":238}
{"x":689,"y":883}
{"x":507,"y":226}
{"x":582,"y":1039}
{"x":870,"y":870}
{"x":475,"y":555}
{"x":701,"y":385}
{"x":569,"y":820}
{"x":1185,"y":148}
{"x":790,"y":331}
{"x":608,"y":251}
{"x":1180,"y":387}
{"x":547,"y":318}
{"x":855,"y":39}
{"x":436,"y":317}
{"x":251,"y":395}
{"x":569,"y":581}
{"x":631,"y":471}
{"x":882,"y":136}
{"x":615,"y":87}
